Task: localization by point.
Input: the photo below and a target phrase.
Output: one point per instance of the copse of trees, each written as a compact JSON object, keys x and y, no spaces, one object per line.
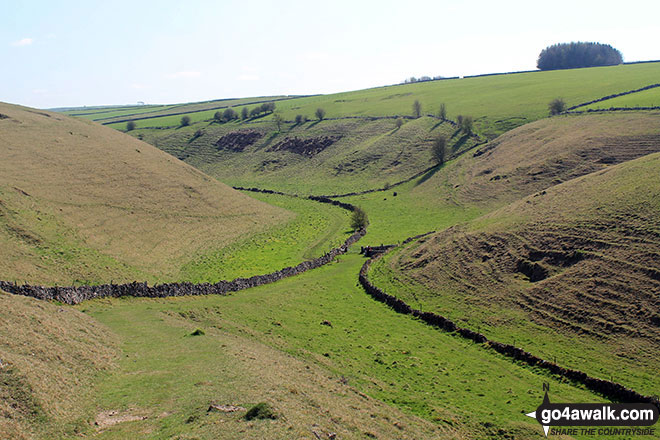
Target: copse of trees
{"x":265,"y":108}
{"x":578,"y":54}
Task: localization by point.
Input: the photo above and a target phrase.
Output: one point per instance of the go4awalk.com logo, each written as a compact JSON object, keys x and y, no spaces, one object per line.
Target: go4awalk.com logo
{"x":626,"y":419}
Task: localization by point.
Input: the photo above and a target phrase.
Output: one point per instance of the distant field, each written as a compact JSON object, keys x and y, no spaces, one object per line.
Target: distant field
{"x":646,"y":98}
{"x":498,"y":103}
{"x":109,"y":114}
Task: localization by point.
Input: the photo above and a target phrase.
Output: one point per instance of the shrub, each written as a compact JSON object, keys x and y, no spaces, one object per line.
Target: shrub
{"x":260,"y":411}
{"x":439,"y":149}
{"x":398,"y":122}
{"x":244,"y":113}
{"x":557,"y":106}
{"x":299,"y":119}
{"x":130,"y":125}
{"x":217,"y":116}
{"x":359,"y":219}
{"x":574,"y":55}
{"x":320,"y":114}
{"x":416,"y":109}
{"x":185,"y":121}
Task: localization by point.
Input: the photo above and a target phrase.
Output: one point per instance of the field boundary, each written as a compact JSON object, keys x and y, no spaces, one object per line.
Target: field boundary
{"x":609,"y":389}
{"x":77,"y":294}
{"x":616,"y":95}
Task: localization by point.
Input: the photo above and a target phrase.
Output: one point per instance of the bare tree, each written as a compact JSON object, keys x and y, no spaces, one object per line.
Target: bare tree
{"x":320,"y":113}
{"x":278,"y":121}
{"x":244,"y":113}
{"x":442,"y":113}
{"x":439,"y":149}
{"x":416,"y":109}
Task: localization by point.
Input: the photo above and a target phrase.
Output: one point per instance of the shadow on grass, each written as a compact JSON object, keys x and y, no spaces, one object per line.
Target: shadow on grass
{"x":426,"y":176}
{"x":438,"y":124}
{"x":270,"y":139}
{"x":313,"y":124}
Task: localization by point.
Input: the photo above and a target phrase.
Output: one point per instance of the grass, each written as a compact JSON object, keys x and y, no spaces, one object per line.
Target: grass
{"x":90,"y":205}
{"x":581,"y":313}
{"x":50,"y":358}
{"x":646,"y":98}
{"x":366,"y":154}
{"x":274,"y":334}
{"x":315,"y":230}
{"x":497,"y":103}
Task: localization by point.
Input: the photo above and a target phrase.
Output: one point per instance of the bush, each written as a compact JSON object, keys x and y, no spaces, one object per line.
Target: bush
{"x":557,"y":106}
{"x":320,"y":114}
{"x":260,"y":411}
{"x":439,"y":149}
{"x":185,"y":121}
{"x":416,"y":109}
{"x":574,"y":55}
{"x":398,"y":122}
{"x":217,"y":116}
{"x":130,"y":125}
{"x":359,"y":219}
{"x":244,"y":113}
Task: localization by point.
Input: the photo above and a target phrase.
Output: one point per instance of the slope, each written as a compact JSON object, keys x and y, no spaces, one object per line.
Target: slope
{"x":569,"y":273}
{"x":50,"y":359}
{"x":519,"y":163}
{"x":83,"y":203}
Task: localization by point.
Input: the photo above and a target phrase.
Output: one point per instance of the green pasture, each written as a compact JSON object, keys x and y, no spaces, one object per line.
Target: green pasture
{"x":387,"y":356}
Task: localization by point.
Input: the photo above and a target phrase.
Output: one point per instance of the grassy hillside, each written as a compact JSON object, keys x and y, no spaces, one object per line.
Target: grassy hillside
{"x":645,"y":98}
{"x":498,"y":103}
{"x":370,"y":373}
{"x":519,"y":163}
{"x":84,"y":203}
{"x":50,"y":359}
{"x":570,"y":273}
{"x":109,"y":114}
{"x":325,"y":157}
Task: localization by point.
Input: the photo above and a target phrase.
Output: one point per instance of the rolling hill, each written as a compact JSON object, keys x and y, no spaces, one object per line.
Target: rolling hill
{"x":83,"y":203}
{"x":570,"y":272}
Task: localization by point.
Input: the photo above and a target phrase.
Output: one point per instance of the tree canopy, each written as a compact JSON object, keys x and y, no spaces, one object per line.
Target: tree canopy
{"x":574,"y":55}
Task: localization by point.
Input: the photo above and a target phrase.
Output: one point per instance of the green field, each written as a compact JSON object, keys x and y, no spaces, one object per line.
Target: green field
{"x":389,"y":357}
{"x":646,"y":98}
{"x":497,"y":103}
{"x":547,"y":238}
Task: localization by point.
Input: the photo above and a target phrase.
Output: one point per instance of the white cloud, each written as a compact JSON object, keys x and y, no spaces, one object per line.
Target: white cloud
{"x":23,"y":42}
{"x":248,"y":77}
{"x":184,"y":74}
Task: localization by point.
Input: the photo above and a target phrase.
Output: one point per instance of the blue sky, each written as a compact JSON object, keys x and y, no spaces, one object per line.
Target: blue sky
{"x":73,"y":53}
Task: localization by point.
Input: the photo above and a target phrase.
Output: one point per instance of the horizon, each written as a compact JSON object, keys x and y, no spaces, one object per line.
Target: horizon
{"x":167,"y":53}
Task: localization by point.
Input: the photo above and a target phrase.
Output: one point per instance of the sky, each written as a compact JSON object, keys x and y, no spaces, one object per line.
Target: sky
{"x":75,"y":53}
